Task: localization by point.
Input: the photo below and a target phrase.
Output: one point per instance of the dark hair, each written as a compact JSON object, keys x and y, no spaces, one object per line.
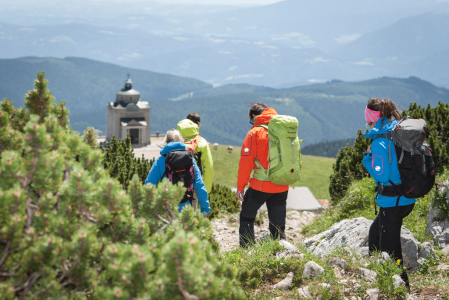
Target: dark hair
{"x":194,"y":117}
{"x":386,"y":107}
{"x":256,"y":109}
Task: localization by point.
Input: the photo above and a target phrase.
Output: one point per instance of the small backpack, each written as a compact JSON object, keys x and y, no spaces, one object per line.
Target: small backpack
{"x":284,"y":156}
{"x":415,"y":162}
{"x":191,"y":146}
{"x":179,"y":167}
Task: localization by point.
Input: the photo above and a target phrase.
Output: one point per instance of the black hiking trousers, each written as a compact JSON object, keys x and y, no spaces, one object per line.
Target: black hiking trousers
{"x":277,"y":211}
{"x":385,"y":233}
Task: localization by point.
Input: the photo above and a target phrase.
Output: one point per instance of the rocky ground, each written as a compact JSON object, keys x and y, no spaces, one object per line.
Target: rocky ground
{"x":226,"y":229}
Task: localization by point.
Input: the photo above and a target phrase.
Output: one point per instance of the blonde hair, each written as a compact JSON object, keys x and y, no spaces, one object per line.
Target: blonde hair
{"x":173,"y":136}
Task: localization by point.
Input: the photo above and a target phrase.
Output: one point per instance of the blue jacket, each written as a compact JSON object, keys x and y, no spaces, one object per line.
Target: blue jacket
{"x":377,"y":164}
{"x":158,"y":170}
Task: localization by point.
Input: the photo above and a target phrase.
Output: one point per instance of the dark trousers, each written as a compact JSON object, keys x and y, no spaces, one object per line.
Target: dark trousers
{"x":385,"y":233}
{"x":277,"y":210}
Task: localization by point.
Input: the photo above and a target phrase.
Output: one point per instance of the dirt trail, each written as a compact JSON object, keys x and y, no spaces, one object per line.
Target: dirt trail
{"x":226,"y":229}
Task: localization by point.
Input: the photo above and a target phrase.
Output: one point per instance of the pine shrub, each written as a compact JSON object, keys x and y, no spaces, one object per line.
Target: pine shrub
{"x":222,"y":199}
{"x":348,"y":166}
{"x":120,"y":162}
{"x":69,"y":231}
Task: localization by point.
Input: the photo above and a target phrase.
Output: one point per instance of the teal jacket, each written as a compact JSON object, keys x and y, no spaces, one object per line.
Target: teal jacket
{"x":378,"y":165}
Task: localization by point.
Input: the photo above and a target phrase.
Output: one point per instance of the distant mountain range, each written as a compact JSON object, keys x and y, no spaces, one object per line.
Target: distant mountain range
{"x":328,"y":111}
{"x":283,"y":54}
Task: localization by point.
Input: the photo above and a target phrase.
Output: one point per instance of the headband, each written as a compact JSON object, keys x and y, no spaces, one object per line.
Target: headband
{"x":371,"y":115}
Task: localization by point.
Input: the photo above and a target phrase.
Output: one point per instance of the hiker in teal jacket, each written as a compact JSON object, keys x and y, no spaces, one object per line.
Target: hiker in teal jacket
{"x":381,"y":162}
{"x":158,"y":170}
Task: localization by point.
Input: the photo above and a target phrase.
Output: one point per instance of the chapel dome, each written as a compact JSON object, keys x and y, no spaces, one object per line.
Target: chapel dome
{"x":128,"y":94}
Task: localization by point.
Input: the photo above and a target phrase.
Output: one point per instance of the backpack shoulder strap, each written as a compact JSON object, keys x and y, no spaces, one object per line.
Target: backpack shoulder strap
{"x":263,"y":125}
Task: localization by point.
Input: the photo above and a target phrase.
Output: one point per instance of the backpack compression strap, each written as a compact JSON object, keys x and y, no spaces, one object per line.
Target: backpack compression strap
{"x":261,"y":173}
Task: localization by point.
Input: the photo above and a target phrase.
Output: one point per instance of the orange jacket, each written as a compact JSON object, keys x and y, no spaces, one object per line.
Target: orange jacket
{"x":256,"y":145}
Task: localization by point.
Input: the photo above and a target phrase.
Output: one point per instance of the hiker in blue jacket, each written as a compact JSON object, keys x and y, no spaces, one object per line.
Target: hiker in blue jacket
{"x":381,"y":162}
{"x":174,"y":141}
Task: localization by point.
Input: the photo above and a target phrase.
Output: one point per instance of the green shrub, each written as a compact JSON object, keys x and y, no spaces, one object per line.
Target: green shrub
{"x":69,"y":231}
{"x":120,"y":162}
{"x":222,"y":199}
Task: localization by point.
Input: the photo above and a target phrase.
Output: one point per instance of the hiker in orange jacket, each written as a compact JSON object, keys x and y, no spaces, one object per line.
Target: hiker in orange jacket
{"x":259,"y":192}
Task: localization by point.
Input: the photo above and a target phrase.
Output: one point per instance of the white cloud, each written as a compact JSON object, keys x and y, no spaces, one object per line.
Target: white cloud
{"x":217,"y":40}
{"x":229,"y":78}
{"x":233,"y":68}
{"x":175,"y":21}
{"x":249,"y":76}
{"x":318,"y":60}
{"x":366,"y":62}
{"x":109,"y":32}
{"x":294,"y":36}
{"x":275,"y":55}
{"x":251,"y":27}
{"x":62,"y":39}
{"x":181,"y":38}
{"x":130,"y":56}
{"x":344,"y":39}
{"x":317,"y":80}
{"x":240,"y":41}
{"x":270,"y":47}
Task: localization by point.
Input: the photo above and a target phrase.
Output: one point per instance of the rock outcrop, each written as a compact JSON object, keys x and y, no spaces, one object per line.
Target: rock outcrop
{"x":285,"y":283}
{"x":438,"y":229}
{"x":353,"y":233}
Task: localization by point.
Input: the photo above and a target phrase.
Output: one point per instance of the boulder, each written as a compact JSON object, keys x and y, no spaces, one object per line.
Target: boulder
{"x":372,"y":294}
{"x":289,"y":247}
{"x":439,"y":230}
{"x":287,"y":254}
{"x":337,"y":261}
{"x":443,"y":267}
{"x":312,"y":269}
{"x":304,"y":293}
{"x":366,"y":274}
{"x":285,"y":283}
{"x":397,"y":281}
{"x":445,"y":250}
{"x":353,"y":233}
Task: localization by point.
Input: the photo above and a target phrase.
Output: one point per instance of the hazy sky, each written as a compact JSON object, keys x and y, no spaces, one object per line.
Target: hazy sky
{"x":223,"y":2}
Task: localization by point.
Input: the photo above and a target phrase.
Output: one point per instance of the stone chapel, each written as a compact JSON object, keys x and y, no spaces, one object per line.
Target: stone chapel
{"x":129,"y":116}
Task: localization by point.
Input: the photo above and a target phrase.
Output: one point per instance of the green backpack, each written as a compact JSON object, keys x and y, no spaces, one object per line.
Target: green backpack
{"x":284,"y":156}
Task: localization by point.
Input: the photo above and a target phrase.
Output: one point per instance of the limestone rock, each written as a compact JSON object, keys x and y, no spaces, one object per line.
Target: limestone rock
{"x":353,"y":233}
{"x":397,"y":281}
{"x":285,"y":283}
{"x":445,"y":250}
{"x":286,"y":254}
{"x":263,"y":237}
{"x":339,"y":272}
{"x":366,"y":274}
{"x":438,"y":229}
{"x":304,"y":293}
{"x":372,"y":294}
{"x":385,"y":256}
{"x":337,"y":261}
{"x":289,"y":247}
{"x":443,"y":267}
{"x":357,"y":287}
{"x":312,"y":269}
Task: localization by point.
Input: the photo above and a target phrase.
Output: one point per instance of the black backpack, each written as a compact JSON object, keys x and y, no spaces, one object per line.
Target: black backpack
{"x":415,"y":162}
{"x":179,"y":167}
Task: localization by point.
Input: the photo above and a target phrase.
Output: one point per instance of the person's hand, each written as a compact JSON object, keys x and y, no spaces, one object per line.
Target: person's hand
{"x":369,"y":149}
{"x":240,"y":195}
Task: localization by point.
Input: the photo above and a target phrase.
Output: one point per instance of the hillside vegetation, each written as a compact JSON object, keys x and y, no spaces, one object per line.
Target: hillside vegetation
{"x":315,"y":170}
{"x":328,"y":111}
